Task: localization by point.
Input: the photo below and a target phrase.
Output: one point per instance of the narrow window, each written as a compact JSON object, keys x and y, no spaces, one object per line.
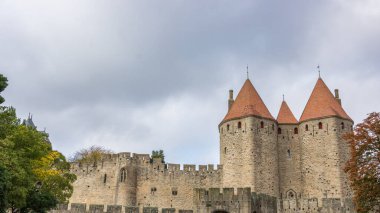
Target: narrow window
{"x":295,"y":130}
{"x":228,"y":127}
{"x":262,"y":124}
{"x":153,"y":190}
{"x":279,"y":131}
{"x":272,"y":126}
{"x":291,"y":195}
{"x":239,"y":125}
{"x":225,"y":150}
{"x":123,"y":175}
{"x":221,"y":129}
{"x":342,"y":124}
{"x":174,"y":191}
{"x":320,"y":126}
{"x":288,"y":153}
{"x":306,"y":127}
{"x":105,"y":178}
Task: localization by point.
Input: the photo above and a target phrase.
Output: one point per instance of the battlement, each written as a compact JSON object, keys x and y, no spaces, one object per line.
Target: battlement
{"x":231,"y":200}
{"x":119,"y":160}
{"x":314,"y":204}
{"x":193,"y":167}
{"x":114,"y":158}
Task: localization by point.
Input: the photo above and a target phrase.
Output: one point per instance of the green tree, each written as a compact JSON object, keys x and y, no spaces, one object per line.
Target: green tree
{"x":159,"y":154}
{"x":33,"y":177}
{"x":4,"y":180}
{"x":364,"y":166}
{"x":40,"y":202}
{"x":3,"y":85}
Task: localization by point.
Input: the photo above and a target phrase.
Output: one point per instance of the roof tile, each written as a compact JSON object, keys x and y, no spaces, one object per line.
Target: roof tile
{"x":248,"y":102}
{"x":285,"y":115}
{"x":322,"y":103}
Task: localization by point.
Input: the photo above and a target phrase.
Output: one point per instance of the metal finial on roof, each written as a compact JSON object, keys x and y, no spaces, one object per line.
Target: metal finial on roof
{"x":283,"y":97}
{"x":247,"y":72}
{"x":319,"y":71}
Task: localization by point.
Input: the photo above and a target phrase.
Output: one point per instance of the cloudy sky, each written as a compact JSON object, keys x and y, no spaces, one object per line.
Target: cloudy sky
{"x":142,"y":75}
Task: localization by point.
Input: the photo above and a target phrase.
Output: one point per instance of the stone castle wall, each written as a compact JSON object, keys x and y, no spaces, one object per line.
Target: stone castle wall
{"x":302,"y":169}
{"x":147,"y":182}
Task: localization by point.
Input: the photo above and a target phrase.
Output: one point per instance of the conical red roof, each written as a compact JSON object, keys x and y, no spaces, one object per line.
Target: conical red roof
{"x":322,"y":103}
{"x":285,"y":115}
{"x":248,"y":102}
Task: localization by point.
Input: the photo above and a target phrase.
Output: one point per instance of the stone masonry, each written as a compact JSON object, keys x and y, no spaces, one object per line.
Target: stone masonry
{"x":266,"y":165}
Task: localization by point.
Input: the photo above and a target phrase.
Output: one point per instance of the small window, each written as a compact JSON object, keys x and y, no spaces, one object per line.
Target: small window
{"x":123,"y":175}
{"x":153,"y":190}
{"x":262,"y":124}
{"x":221,"y":129}
{"x":228,"y":127}
{"x":272,"y":126}
{"x":296,"y":131}
{"x":288,"y":153}
{"x":279,"y":131}
{"x":105,"y":178}
{"x":342,"y":124}
{"x":306,"y":127}
{"x":225,"y":150}
{"x":239,"y":125}
{"x":291,"y":195}
{"x":320,"y":126}
{"x":174,"y":191}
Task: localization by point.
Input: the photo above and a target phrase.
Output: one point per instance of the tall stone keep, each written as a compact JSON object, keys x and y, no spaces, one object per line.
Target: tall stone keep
{"x":248,"y":144}
{"x":324,"y":152}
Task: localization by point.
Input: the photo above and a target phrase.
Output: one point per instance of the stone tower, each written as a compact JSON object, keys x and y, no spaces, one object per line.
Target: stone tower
{"x":248,"y":144}
{"x":324,"y":152}
{"x":289,"y":153}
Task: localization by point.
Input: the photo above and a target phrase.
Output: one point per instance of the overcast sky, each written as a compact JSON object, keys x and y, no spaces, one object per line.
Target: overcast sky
{"x":142,"y":75}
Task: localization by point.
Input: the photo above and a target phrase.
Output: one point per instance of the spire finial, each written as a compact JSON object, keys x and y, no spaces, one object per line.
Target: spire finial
{"x":283,"y":97}
{"x":319,"y":71}
{"x":247,"y":72}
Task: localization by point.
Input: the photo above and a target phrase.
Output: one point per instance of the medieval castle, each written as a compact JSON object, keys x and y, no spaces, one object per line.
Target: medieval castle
{"x":266,"y":165}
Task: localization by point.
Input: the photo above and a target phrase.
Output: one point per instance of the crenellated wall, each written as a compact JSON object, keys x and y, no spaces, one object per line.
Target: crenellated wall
{"x":147,"y":182}
{"x":166,"y":186}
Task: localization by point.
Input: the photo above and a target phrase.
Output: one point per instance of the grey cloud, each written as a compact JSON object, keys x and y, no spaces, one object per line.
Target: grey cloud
{"x":102,"y":72}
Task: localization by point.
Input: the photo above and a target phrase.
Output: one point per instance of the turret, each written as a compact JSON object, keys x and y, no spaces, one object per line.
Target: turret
{"x":289,"y":153}
{"x":248,"y":148}
{"x":324,"y":152}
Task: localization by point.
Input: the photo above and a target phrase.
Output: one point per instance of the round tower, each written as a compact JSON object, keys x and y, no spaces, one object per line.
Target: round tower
{"x":324,"y":152}
{"x":289,"y":153}
{"x":248,"y":146}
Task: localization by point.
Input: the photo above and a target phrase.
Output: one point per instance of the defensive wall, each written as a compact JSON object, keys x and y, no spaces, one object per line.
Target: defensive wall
{"x":137,"y":180}
{"x":228,"y":200}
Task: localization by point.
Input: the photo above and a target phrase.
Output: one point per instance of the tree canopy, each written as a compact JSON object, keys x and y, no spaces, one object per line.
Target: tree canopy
{"x":90,"y":155}
{"x":3,"y":85}
{"x":158,"y":154}
{"x":33,"y":177}
{"x":364,"y":166}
